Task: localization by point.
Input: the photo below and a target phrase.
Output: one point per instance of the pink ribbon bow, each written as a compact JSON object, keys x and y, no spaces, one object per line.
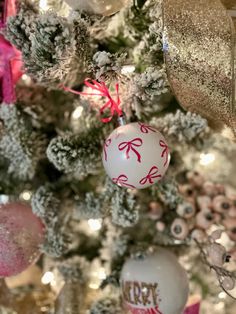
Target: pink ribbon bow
{"x":10,"y":58}
{"x":193,"y":309}
{"x":153,"y":174}
{"x":165,"y":152}
{"x":130,"y":146}
{"x":122,"y":180}
{"x":102,"y":90}
{"x":106,"y":145}
{"x":154,"y":310}
{"x":144,"y":128}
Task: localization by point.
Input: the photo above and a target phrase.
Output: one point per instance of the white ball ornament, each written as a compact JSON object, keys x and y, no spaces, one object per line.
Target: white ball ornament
{"x":135,"y":156}
{"x":103,"y":7}
{"x":154,"y":284}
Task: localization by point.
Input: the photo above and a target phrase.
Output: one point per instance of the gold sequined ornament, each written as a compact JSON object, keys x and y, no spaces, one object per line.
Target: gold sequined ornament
{"x":199,"y":45}
{"x":70,"y":299}
{"x":103,"y":7}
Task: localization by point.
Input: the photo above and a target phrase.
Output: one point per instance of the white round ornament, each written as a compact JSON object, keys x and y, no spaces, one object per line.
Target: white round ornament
{"x":135,"y":156}
{"x":155,"y":283}
{"x":103,"y":7}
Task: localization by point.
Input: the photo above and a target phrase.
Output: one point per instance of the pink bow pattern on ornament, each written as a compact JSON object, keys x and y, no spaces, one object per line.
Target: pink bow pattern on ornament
{"x":154,"y":310}
{"x":10,"y":57}
{"x":106,"y":145}
{"x":122,"y":180}
{"x":165,"y":152}
{"x":144,"y":128}
{"x":130,"y":146}
{"x":153,"y":174}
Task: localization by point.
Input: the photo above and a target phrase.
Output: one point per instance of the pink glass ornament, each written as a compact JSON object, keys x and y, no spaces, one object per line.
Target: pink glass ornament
{"x":135,"y":155}
{"x":21,"y":234}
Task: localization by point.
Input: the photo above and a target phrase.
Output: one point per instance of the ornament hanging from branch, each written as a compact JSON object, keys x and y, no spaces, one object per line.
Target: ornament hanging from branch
{"x":21,"y":234}
{"x":10,"y":57}
{"x":135,"y":155}
{"x":199,"y":42}
{"x":154,"y":283}
{"x":102,"y":7}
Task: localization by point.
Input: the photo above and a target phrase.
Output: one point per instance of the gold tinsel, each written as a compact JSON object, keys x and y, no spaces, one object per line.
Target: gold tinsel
{"x":199,"y":44}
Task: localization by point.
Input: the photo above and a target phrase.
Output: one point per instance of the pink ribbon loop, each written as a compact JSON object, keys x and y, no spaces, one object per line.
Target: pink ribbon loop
{"x":130,"y":146}
{"x":106,"y":145}
{"x":122,"y":180}
{"x":144,"y":128}
{"x":153,"y":174}
{"x":165,"y":152}
{"x":100,"y":89}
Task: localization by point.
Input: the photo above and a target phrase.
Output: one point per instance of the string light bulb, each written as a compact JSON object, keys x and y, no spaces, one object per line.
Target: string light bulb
{"x":207,"y":158}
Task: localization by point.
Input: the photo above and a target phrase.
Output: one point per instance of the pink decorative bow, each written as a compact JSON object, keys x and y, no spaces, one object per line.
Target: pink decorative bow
{"x":137,"y":142}
{"x":153,"y":174}
{"x":122,"y":180}
{"x":165,"y":152}
{"x":193,"y":309}
{"x":10,"y":59}
{"x":106,"y":144}
{"x":102,"y":90}
{"x":144,"y":128}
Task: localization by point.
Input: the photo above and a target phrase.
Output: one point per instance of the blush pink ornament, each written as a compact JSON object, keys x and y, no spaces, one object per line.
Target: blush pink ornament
{"x":155,"y":210}
{"x":21,"y":234}
{"x":204,"y":202}
{"x":135,"y":156}
{"x":186,"y":210}
{"x":195,"y":178}
{"x":179,"y":229}
{"x":221,"y":204}
{"x":209,"y":188}
{"x":205,"y":219}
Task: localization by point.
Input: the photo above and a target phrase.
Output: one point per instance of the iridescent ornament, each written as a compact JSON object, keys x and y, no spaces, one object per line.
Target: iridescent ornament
{"x":135,"y":155}
{"x":199,"y":51}
{"x":21,"y":234}
{"x":154,"y":283}
{"x":103,"y":7}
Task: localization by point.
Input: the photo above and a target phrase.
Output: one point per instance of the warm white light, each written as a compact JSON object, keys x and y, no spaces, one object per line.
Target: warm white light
{"x":94,"y":286}
{"x":95,"y":224}
{"x":47,"y":278}
{"x":43,"y":4}
{"x":26,"y":195}
{"x":206,"y":159}
{"x":222,"y":295}
{"x":126,"y":69}
{"x":77,"y":113}
{"x":102,"y":274}
{"x":26,"y":79}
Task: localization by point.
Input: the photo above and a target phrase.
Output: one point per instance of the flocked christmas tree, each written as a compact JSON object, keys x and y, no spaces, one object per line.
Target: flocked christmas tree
{"x":91,"y":93}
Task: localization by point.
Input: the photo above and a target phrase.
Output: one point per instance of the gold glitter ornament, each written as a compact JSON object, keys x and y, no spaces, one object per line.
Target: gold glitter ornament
{"x":103,"y":7}
{"x":199,"y":44}
{"x":71,"y":298}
